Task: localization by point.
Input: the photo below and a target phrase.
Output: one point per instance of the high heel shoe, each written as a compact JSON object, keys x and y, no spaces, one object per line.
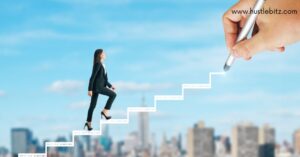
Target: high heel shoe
{"x":86,"y":125}
{"x":106,"y":117}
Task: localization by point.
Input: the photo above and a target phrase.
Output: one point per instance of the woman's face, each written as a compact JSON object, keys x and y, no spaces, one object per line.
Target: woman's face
{"x":103,"y":56}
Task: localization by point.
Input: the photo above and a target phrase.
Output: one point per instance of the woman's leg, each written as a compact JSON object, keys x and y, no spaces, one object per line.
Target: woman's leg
{"x":92,"y":106}
{"x":111,"y":94}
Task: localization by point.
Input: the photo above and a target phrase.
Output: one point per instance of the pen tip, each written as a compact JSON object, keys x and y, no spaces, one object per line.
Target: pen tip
{"x":226,"y":67}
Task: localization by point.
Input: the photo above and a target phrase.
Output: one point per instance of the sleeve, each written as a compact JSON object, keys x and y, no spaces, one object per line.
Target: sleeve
{"x":96,"y":68}
{"x":107,"y":82}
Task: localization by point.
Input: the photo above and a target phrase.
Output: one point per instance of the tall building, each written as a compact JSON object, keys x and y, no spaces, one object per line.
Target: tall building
{"x":179,"y":142}
{"x":222,"y":146}
{"x":78,"y":150}
{"x":245,"y":140}
{"x":3,"y":152}
{"x":153,"y":150}
{"x":169,"y":148}
{"x":105,"y":140}
{"x":119,"y":146}
{"x":131,"y":142}
{"x":267,"y":141}
{"x":21,"y":139}
{"x":36,"y":147}
{"x":200,"y":141}
{"x":296,"y":140}
{"x":144,"y":127}
{"x":61,"y":150}
{"x":86,"y":142}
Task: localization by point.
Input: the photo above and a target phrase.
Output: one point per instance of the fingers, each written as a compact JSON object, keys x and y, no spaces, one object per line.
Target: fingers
{"x":248,"y":48}
{"x":231,"y":23}
{"x":278,"y":49}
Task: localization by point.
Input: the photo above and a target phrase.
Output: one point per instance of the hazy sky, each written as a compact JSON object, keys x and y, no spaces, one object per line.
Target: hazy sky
{"x":153,"y":46}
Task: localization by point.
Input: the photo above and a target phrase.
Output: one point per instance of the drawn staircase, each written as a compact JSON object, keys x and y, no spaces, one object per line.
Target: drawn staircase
{"x":126,"y":120}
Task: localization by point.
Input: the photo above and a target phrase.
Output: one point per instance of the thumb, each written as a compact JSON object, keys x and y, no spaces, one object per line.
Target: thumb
{"x":249,"y":47}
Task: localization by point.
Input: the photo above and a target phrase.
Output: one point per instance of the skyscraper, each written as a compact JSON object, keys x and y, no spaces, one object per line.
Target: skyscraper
{"x":21,"y":139}
{"x":61,"y":150}
{"x":86,"y":142}
{"x":222,"y":146}
{"x":169,"y":148}
{"x":3,"y":152}
{"x":144,"y":127}
{"x":78,"y":150}
{"x":245,"y":140}
{"x":266,"y":141}
{"x":179,"y":144}
{"x":130,"y":143}
{"x":296,"y":140}
{"x":200,"y":141}
{"x":105,"y":140}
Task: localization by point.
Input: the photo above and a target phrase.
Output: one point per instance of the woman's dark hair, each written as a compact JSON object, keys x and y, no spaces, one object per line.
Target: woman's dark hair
{"x":97,"y":55}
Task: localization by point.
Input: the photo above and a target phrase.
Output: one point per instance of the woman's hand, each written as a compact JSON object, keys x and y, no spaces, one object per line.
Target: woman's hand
{"x":90,"y":93}
{"x":113,"y":87}
{"x":272,"y":32}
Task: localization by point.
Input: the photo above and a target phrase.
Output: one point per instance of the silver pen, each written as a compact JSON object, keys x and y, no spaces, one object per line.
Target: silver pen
{"x":245,"y":31}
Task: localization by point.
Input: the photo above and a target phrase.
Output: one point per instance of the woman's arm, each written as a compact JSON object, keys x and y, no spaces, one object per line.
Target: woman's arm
{"x":96,"y":68}
{"x":108,"y":84}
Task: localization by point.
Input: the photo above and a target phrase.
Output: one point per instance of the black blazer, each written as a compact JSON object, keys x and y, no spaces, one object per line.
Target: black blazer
{"x":99,"y":78}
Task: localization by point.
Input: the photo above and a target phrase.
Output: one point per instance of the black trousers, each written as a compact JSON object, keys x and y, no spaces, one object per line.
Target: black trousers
{"x":104,"y":91}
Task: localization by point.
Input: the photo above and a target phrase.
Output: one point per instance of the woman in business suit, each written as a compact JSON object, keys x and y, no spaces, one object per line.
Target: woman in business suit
{"x":99,"y":84}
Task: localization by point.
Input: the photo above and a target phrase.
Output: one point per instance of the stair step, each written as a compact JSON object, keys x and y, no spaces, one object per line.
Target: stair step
{"x":124,"y":121}
{"x":32,"y":155}
{"x":84,"y":132}
{"x":59,"y":144}
{"x":168,"y":97}
{"x":141,"y":109}
{"x":115,"y":121}
{"x":196,"y":86}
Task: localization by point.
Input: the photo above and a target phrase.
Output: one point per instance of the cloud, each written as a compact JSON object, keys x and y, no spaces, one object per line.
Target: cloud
{"x":2,"y":93}
{"x":263,"y":97}
{"x":142,"y":31}
{"x":6,"y":52}
{"x":79,"y":105}
{"x":189,"y":60}
{"x":140,"y":87}
{"x":66,"y":86}
{"x":286,"y":113}
{"x":43,"y":34}
{"x":45,"y":66}
{"x":161,"y":31}
{"x":61,"y":127}
{"x":19,"y":37}
{"x":285,"y":63}
{"x":93,"y":2}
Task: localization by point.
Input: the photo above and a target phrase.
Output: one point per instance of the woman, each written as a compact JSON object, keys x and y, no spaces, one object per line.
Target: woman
{"x":99,"y":85}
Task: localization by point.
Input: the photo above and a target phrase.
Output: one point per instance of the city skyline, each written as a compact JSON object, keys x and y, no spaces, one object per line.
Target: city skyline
{"x":253,"y":141}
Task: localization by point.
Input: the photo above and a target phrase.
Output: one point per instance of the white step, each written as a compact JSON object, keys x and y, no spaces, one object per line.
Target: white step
{"x":32,"y":155}
{"x":196,"y":86}
{"x":141,"y":109}
{"x":168,"y":97}
{"x":115,"y":121}
{"x":59,"y":144}
{"x":83,"y":133}
{"x":124,"y":121}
